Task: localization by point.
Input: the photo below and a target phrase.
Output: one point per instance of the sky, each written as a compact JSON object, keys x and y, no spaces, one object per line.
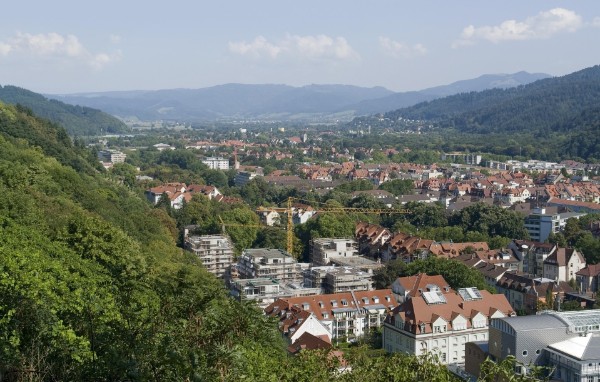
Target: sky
{"x":71,"y":46}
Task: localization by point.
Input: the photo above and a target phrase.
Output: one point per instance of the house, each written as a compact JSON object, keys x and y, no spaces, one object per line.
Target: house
{"x":587,"y":278}
{"x":439,"y":320}
{"x":346,"y":315}
{"x":525,"y":292}
{"x":172,"y":191}
{"x":296,"y":322}
{"x":563,"y":264}
{"x":308,"y":341}
{"x":371,"y":238}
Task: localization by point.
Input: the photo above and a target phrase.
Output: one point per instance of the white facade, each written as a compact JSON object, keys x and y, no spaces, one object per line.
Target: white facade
{"x":112,"y":156}
{"x":215,"y":252}
{"x":323,"y":250}
{"x":216,"y":163}
{"x":441,"y":321}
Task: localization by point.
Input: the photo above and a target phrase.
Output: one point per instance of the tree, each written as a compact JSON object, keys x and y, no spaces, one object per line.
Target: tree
{"x":385,"y":276}
{"x":398,"y":187}
{"x":504,"y":371}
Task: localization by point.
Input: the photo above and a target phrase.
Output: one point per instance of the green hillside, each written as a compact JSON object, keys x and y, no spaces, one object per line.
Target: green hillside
{"x":93,"y":286}
{"x":77,"y":120}
{"x":560,"y":114}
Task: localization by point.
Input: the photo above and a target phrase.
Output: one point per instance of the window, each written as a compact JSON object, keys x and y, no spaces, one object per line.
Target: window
{"x":525,"y":353}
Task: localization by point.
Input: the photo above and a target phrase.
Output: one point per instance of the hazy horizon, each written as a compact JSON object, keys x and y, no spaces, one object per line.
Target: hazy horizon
{"x":64,"y":48}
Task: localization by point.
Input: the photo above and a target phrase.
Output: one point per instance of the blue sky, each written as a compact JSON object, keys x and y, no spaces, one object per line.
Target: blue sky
{"x":65,"y":46}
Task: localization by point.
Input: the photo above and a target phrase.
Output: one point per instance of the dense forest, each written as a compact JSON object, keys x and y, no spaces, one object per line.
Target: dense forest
{"x":550,"y":119}
{"x":77,"y":120}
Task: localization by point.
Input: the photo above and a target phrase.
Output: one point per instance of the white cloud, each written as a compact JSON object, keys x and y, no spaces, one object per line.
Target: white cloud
{"x":596,"y":22}
{"x":55,"y":45}
{"x":5,"y":49}
{"x":399,"y":49}
{"x":311,"y":47}
{"x":257,"y":48}
{"x":543,"y":25}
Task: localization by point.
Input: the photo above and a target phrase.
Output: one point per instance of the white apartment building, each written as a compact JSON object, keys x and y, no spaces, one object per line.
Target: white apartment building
{"x":331,"y":279}
{"x":270,"y":263}
{"x":437,"y":319}
{"x":215,"y":252}
{"x":216,"y":163}
{"x":323,"y":250}
{"x":112,"y":156}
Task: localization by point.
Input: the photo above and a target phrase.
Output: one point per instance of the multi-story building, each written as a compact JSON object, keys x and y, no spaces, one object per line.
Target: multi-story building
{"x":243,"y":177}
{"x":215,"y":252}
{"x":541,"y":223}
{"x":272,"y":263}
{"x":467,"y":158}
{"x":323,"y":250}
{"x":112,"y":156}
{"x":566,"y":342}
{"x":533,"y":254}
{"x":438,"y":320}
{"x":346,"y":315}
{"x":265,"y":291}
{"x":563,"y":264}
{"x":338,"y":279}
{"x":216,"y":163}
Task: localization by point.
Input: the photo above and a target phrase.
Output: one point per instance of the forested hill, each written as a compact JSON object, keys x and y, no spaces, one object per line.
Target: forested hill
{"x":556,"y":114}
{"x":93,"y":286}
{"x":541,"y":106}
{"x":78,"y":120}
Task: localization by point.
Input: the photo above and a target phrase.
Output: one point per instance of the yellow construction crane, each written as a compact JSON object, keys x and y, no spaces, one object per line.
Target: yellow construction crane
{"x":290,"y":223}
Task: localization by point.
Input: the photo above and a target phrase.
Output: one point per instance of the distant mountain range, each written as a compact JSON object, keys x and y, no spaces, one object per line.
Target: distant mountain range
{"x":276,"y":102}
{"x":77,"y":120}
{"x":562,"y":111}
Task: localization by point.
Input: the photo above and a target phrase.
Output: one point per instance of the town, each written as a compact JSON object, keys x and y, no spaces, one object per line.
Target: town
{"x":535,"y":265}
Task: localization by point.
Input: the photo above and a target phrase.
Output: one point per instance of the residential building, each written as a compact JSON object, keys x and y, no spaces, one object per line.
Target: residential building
{"x":540,"y":224}
{"x":216,"y":163}
{"x":243,"y":177}
{"x":588,"y":278}
{"x":338,"y":279}
{"x":323,"y":250}
{"x":525,"y":292}
{"x":466,"y":158}
{"x":264,"y":291}
{"x":215,"y":252}
{"x":533,"y":254}
{"x":271,"y":263}
{"x":563,"y":264}
{"x":346,"y":315}
{"x":112,"y":156}
{"x":297,"y":322}
{"x":438,"y":320}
